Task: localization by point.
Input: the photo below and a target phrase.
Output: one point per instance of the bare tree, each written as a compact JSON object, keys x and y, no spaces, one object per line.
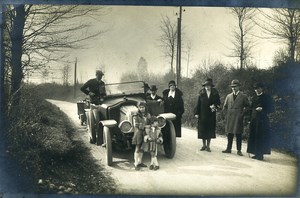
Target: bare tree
{"x":168,"y":39}
{"x":188,"y":56}
{"x":66,"y":74}
{"x":282,"y":24}
{"x":38,"y":34}
{"x":241,"y":36}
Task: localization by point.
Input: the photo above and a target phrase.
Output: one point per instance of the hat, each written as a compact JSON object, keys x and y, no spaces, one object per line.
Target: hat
{"x":141,"y":103}
{"x":235,"y":83}
{"x":99,"y":72}
{"x":172,"y":82}
{"x":208,"y":81}
{"x":153,"y":88}
{"x":258,"y":85}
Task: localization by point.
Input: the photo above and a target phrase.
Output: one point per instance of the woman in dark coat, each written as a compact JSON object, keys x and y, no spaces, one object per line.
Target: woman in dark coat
{"x":259,"y":138}
{"x":174,"y":104}
{"x":205,"y":111}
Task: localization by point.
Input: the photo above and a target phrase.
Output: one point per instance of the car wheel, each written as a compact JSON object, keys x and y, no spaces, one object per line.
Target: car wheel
{"x":169,"y":136}
{"x":108,"y":145}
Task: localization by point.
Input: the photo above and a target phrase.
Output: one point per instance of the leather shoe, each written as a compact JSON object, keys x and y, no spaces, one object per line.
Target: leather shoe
{"x":155,"y":167}
{"x":240,"y":153}
{"x":142,"y":165}
{"x":208,"y":149}
{"x":203,"y":148}
{"x":151,"y":167}
{"x":226,"y":151}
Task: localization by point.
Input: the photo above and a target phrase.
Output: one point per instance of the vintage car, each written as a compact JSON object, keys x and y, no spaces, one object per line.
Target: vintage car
{"x":113,"y":118}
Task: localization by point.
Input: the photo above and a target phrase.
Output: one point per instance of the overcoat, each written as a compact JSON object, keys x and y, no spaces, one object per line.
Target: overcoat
{"x":259,"y":137}
{"x":235,"y":110}
{"x":157,"y":97}
{"x":174,"y":105}
{"x":207,"y":118}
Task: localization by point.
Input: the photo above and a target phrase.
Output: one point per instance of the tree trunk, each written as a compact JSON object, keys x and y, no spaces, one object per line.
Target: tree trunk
{"x":16,"y":55}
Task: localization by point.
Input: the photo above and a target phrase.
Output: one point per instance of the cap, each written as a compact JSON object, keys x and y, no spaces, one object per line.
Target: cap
{"x":235,"y":83}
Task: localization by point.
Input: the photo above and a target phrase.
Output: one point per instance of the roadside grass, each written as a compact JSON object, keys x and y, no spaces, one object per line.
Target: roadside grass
{"x":40,"y":140}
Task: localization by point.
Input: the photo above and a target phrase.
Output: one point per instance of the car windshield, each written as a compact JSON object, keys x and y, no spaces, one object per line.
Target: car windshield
{"x":126,"y":88}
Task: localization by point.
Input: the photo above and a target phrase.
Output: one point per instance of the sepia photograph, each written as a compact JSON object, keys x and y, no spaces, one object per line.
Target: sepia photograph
{"x":149,"y":98}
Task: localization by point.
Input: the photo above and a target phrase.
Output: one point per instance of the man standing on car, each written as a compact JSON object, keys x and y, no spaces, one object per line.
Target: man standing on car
{"x":95,"y":88}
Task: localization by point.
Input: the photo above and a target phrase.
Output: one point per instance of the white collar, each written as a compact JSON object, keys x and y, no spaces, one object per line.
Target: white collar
{"x":153,"y":96}
{"x":171,"y":93}
{"x":236,"y":93}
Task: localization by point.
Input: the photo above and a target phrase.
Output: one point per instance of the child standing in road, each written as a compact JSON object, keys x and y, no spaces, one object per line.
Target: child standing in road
{"x":153,"y":142}
{"x":140,"y":120}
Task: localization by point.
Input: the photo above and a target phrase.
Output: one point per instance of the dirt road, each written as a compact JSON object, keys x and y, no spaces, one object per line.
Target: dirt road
{"x":194,"y":172}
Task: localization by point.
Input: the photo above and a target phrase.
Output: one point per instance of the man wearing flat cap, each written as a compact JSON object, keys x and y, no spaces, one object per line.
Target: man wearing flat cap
{"x":235,"y":106}
{"x":95,"y":88}
{"x":259,"y":137}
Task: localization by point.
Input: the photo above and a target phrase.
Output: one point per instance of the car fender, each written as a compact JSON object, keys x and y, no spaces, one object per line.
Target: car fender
{"x":167,"y":116}
{"x":109,"y":123}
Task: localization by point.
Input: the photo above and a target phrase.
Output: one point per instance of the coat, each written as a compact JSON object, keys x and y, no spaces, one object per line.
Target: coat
{"x":259,"y":137}
{"x":174,"y":105}
{"x":96,"y":87}
{"x":235,"y":111}
{"x":207,"y":118}
{"x":139,"y":123}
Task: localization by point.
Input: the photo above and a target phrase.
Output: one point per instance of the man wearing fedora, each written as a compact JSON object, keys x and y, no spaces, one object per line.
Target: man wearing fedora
{"x":153,"y":95}
{"x":95,"y":88}
{"x":207,"y":106}
{"x":235,"y":106}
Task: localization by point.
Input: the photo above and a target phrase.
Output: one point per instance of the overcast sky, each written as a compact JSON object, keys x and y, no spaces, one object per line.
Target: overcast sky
{"x":134,"y":32}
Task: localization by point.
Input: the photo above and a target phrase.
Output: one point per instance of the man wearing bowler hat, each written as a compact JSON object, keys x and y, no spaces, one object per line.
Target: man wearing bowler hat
{"x":95,"y":88}
{"x":153,"y":95}
{"x":235,"y":106}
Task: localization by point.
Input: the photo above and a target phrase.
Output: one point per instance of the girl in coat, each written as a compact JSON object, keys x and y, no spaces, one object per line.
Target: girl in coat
{"x":140,"y":121}
{"x":205,"y":111}
{"x":152,"y":142}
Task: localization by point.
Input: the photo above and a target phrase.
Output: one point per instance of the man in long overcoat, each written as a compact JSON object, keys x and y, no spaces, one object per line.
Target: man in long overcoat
{"x":259,"y":138}
{"x":235,"y":105}
{"x":174,"y":104}
{"x":205,"y":111}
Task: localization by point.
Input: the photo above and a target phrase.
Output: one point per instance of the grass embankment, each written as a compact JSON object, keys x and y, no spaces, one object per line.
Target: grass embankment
{"x":40,"y":139}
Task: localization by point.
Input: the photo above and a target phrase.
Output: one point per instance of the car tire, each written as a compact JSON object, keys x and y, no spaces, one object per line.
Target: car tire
{"x":169,"y":136}
{"x":108,"y":145}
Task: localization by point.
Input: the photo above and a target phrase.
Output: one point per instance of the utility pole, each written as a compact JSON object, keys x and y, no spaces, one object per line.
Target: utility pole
{"x":178,"y":62}
{"x":75,"y":78}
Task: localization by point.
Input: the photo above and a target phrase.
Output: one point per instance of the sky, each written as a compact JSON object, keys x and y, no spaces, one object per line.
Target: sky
{"x":133,"y":32}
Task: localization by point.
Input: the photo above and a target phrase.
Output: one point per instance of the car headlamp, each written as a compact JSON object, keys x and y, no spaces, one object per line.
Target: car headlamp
{"x":125,"y":126}
{"x":161,"y":121}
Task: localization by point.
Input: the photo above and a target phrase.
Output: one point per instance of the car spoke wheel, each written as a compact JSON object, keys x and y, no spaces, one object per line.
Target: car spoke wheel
{"x":108,"y":145}
{"x":169,"y":136}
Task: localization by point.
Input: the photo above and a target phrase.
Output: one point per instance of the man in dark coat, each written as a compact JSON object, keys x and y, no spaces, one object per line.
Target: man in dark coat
{"x":259,"y":138}
{"x":174,"y":104}
{"x":205,"y":111}
{"x":95,"y":88}
{"x":153,"y":95}
{"x":236,"y":105}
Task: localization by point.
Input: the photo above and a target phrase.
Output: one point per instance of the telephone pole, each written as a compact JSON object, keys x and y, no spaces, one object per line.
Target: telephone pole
{"x":178,"y":59}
